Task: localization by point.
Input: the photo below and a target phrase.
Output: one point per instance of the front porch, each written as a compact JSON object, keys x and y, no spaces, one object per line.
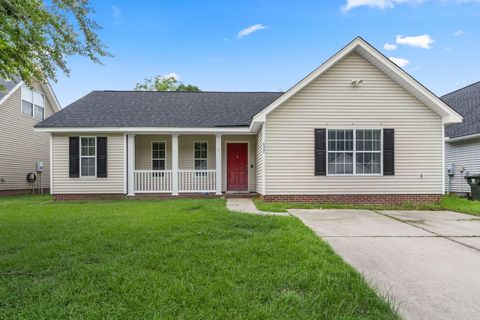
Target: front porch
{"x":186,"y":163}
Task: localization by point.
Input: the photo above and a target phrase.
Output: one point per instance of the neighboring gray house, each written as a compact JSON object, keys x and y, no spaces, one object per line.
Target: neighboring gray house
{"x":20,"y":146}
{"x":462,"y":146}
{"x":357,"y":129}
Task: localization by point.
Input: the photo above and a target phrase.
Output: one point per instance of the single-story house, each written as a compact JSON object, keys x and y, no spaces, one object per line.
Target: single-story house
{"x":22,"y":150}
{"x":462,"y":143}
{"x":357,"y":129}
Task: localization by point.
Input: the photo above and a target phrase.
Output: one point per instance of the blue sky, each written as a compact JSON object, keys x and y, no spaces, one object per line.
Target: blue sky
{"x":281,"y":42}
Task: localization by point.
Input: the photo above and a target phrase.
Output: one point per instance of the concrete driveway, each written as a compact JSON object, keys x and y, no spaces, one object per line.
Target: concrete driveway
{"x":427,"y":262}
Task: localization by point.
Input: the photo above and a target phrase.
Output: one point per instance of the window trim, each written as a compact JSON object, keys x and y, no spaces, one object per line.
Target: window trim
{"x":194,"y":159}
{"x":152,"y":158}
{"x":22,"y":88}
{"x":355,"y":152}
{"x":80,"y":158}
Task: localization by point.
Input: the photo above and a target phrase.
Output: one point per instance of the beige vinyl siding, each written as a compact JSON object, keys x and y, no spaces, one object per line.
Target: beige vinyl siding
{"x":331,"y":101}
{"x":251,"y":139}
{"x":143,"y":151}
{"x":462,"y":154}
{"x":20,"y":146}
{"x":113,"y":183}
{"x":259,"y":162}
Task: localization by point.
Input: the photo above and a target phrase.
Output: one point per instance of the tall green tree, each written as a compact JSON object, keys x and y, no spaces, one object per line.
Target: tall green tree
{"x":37,"y":36}
{"x":165,"y":83}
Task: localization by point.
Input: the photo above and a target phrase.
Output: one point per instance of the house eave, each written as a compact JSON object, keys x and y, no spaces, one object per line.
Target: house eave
{"x":148,"y":130}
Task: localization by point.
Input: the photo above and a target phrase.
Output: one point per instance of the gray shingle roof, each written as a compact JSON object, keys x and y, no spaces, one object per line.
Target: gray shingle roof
{"x":161,"y":109}
{"x":465,"y":101}
{"x":8,"y":84}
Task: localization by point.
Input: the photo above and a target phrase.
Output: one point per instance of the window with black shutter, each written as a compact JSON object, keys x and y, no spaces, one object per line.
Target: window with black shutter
{"x":74,"y":157}
{"x":388,"y":152}
{"x":354,"y":152}
{"x":101,"y":157}
{"x":320,"y":152}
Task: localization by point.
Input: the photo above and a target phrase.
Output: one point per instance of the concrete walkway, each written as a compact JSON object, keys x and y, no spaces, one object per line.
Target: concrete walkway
{"x":246,"y":205}
{"x":428,"y":262}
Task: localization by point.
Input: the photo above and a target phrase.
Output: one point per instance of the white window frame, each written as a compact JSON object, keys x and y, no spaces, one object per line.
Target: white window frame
{"x":355,"y":152}
{"x":194,"y":159}
{"x":32,"y":101}
{"x":94,"y":156}
{"x":152,"y":158}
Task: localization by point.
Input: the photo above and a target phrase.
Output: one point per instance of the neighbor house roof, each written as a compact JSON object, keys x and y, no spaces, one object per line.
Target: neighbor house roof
{"x":12,"y":86}
{"x":8,"y":86}
{"x":465,"y":101}
{"x":161,"y":109}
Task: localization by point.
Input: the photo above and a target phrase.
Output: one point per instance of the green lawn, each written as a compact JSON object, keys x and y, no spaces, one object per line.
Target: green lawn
{"x":180,"y":259}
{"x":446,"y":203}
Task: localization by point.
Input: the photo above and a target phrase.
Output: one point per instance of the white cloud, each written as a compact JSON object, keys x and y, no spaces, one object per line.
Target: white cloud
{"x":116,"y":11}
{"x":171,"y":75}
{"x":380,"y":4}
{"x":401,"y":62}
{"x":424,"y":41}
{"x":390,"y":46}
{"x":459,"y":33}
{"x":245,"y":32}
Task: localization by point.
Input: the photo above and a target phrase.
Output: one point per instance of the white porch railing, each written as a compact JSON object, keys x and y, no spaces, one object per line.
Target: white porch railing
{"x":196,"y":180}
{"x":153,"y":181}
{"x":161,"y":181}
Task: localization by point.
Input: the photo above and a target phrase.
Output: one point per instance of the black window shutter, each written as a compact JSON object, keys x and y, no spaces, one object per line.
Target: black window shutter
{"x":74,"y":157}
{"x":388,"y":152}
{"x":101,"y":157}
{"x":320,"y":152}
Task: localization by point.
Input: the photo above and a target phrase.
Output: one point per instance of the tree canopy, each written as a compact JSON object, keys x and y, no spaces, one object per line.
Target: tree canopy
{"x":165,"y":83}
{"x":36,"y":37}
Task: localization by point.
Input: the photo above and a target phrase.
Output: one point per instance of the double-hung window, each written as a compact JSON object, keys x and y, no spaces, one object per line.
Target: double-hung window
{"x":158,"y":155}
{"x":368,"y":151}
{"x":354,"y":152}
{"x":33,"y":103}
{"x":340,"y":151}
{"x":88,"y":156}
{"x":200,"y":155}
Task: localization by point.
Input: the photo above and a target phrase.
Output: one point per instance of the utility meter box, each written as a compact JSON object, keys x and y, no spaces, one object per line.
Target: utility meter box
{"x":39,"y":166}
{"x":451,"y":169}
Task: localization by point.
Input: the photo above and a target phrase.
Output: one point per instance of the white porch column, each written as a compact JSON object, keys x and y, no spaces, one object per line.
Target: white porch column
{"x":218,"y":163}
{"x":131,"y":164}
{"x":175,"y":164}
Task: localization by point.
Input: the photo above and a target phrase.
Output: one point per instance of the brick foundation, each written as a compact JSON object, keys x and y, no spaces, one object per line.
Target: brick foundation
{"x":115,"y":196}
{"x":356,"y":198}
{"x":20,"y":192}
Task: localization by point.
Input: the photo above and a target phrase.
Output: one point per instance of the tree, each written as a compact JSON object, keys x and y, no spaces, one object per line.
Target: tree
{"x":165,"y":83}
{"x":36,"y":37}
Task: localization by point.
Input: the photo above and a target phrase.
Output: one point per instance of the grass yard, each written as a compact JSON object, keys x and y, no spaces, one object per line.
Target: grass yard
{"x":451,"y":203}
{"x":180,"y":259}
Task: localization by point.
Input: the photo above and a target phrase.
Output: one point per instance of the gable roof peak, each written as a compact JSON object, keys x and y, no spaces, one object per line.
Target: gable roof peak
{"x":379,"y":60}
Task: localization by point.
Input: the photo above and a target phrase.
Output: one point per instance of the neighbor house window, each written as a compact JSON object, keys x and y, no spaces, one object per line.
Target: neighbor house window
{"x":33,"y":103}
{"x":200,"y":155}
{"x":356,"y":151}
{"x":158,"y":155}
{"x":88,"y":156}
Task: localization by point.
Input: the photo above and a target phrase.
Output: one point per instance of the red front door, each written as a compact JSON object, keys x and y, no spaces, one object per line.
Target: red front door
{"x":237,"y":166}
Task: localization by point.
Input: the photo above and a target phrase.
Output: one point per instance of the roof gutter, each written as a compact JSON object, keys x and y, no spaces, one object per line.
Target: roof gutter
{"x":463,"y":138}
{"x":146,"y":130}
